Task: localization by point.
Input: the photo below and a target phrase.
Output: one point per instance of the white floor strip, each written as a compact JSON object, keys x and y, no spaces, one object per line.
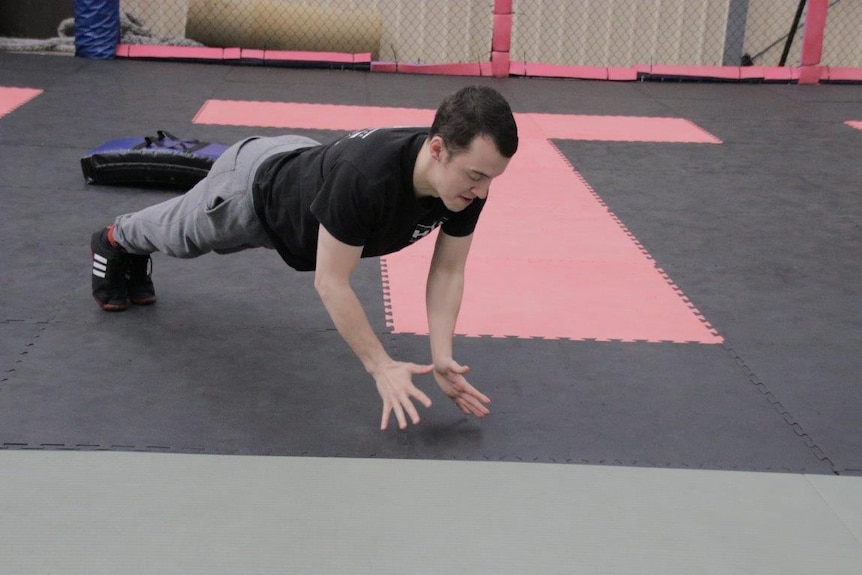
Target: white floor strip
{"x":127,"y":513}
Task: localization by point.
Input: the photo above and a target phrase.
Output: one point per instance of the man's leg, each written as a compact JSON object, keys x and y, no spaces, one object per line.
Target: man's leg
{"x":216,"y":215}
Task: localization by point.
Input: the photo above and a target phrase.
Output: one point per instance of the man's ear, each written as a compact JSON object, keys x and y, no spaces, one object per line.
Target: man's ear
{"x":438,"y":148}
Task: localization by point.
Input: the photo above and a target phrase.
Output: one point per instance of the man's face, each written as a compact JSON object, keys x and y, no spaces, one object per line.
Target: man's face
{"x":466,"y":175}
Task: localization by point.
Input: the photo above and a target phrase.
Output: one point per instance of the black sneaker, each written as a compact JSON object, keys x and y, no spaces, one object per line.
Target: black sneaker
{"x":109,"y":267}
{"x":140,"y":283}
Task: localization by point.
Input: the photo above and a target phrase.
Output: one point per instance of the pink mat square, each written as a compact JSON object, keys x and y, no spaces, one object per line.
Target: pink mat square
{"x":12,"y":98}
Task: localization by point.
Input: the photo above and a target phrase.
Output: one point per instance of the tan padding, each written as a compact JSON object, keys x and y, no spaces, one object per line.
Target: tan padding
{"x":283,"y":25}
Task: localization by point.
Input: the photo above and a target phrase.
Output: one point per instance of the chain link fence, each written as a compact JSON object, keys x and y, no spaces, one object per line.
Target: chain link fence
{"x":427,"y":31}
{"x":567,"y":32}
{"x":604,"y":33}
{"x":842,"y":42}
{"x":679,"y":32}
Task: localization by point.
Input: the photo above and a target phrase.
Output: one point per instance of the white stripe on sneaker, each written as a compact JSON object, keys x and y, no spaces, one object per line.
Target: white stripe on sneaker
{"x":99,"y":265}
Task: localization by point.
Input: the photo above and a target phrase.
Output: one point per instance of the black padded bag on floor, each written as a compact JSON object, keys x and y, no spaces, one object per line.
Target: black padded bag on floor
{"x":163,"y":161}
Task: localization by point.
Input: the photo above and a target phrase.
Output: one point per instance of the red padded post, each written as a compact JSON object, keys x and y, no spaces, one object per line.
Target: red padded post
{"x":810,"y":70}
{"x":501,"y":40}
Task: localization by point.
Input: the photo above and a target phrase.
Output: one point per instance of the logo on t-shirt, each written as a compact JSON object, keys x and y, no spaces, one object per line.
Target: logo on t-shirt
{"x":362,"y":134}
{"x":423,"y":230}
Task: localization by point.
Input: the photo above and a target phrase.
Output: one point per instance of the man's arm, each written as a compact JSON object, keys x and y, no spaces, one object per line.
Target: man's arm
{"x":443,"y":294}
{"x":336,"y":262}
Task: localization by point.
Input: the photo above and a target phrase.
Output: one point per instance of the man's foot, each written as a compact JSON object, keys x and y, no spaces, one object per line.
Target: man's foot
{"x":140,"y":282}
{"x":109,"y":267}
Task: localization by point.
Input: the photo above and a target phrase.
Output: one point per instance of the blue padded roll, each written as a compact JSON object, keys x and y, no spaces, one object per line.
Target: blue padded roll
{"x":97,"y":28}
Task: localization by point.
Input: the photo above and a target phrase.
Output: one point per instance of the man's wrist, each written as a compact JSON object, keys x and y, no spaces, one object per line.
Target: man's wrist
{"x":375,"y":365}
{"x":442,"y":362}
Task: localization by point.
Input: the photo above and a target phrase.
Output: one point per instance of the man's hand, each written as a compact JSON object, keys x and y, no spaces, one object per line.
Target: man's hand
{"x":395,"y":385}
{"x":450,"y":378}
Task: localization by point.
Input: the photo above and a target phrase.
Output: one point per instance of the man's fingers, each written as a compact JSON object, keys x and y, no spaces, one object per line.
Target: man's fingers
{"x":473,"y":392}
{"x":384,"y":420}
{"x":464,"y":388}
{"x":462,"y":369}
{"x":390,"y":407}
{"x":403,"y":408}
{"x":420,"y":396}
{"x":399,"y":415}
{"x":421,"y":369}
{"x":473,"y":404}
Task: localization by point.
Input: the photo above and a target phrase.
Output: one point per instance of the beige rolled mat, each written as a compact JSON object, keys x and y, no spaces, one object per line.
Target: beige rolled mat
{"x":283,"y":25}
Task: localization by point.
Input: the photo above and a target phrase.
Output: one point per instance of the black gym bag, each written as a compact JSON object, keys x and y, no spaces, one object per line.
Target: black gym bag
{"x":163,"y":161}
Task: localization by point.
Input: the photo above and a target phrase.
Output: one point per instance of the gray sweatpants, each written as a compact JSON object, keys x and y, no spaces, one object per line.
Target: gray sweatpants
{"x":216,"y":215}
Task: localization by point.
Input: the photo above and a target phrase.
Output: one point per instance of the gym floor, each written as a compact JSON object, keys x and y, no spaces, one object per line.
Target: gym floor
{"x":663,"y":304}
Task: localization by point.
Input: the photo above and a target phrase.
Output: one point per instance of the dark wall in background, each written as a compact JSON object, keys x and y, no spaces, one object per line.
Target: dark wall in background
{"x":33,"y":18}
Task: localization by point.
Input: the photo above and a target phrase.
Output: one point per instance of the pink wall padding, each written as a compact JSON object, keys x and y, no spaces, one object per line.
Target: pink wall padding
{"x":780,"y":73}
{"x":384,"y":67}
{"x":558,"y":71}
{"x":456,"y":69}
{"x":838,"y":74}
{"x":500,"y":64}
{"x":629,"y":74}
{"x":768,"y":73}
{"x":518,"y":68}
{"x":174,"y":52}
{"x":854,"y":124}
{"x":539,"y":70}
{"x":812,"y":74}
{"x":13,"y":98}
{"x":711,"y":72}
{"x":622,"y":74}
{"x":235,"y":54}
{"x":293,"y":56}
{"x":549,"y":259}
{"x":252,"y":54}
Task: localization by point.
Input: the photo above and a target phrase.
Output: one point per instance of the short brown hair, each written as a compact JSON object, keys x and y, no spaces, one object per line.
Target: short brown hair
{"x":474,"y":111}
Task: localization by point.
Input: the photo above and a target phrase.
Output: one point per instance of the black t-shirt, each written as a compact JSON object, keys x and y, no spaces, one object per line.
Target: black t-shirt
{"x":360,"y":188}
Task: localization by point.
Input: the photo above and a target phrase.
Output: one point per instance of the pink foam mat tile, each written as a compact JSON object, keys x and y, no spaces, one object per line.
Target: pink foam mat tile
{"x":538,"y":126}
{"x":308,"y":116}
{"x":567,"y":300}
{"x":620,"y":128}
{"x":13,"y":98}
